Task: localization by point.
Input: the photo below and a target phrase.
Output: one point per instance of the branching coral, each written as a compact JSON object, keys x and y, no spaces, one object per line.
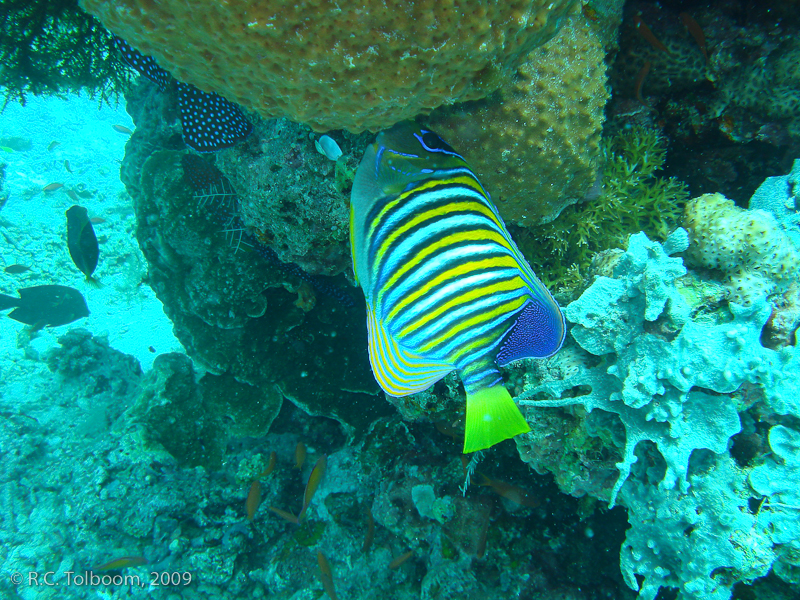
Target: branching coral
{"x":633,"y":198}
{"x":53,"y":47}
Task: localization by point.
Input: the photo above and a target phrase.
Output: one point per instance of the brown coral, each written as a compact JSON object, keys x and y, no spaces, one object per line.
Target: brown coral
{"x":535,"y":143}
{"x":337,"y":64}
{"x":749,"y":246}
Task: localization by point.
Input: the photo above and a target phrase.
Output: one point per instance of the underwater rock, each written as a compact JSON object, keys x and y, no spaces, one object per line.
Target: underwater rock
{"x":235,"y":312}
{"x":292,"y":197}
{"x":172,"y":414}
{"x":193,"y":420}
{"x":82,"y":355}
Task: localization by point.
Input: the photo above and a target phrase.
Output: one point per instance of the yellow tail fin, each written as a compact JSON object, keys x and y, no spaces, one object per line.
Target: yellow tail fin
{"x":492,"y":417}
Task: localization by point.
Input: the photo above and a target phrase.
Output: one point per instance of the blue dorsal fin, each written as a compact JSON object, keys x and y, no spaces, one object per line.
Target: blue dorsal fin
{"x":537,"y":333}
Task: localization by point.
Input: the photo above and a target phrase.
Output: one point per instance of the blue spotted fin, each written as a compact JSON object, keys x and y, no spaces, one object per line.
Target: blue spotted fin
{"x":210,"y":122}
{"x":445,"y":285}
{"x":146,"y":66}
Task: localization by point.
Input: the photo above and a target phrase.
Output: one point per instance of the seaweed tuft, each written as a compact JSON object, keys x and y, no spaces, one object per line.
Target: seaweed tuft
{"x":53,"y":47}
{"x":634,"y":198}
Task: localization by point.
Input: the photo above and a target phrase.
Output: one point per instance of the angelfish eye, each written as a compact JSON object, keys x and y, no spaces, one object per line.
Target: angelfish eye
{"x":433,"y":143}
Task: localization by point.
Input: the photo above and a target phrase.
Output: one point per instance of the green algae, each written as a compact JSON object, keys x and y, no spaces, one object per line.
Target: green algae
{"x":634,"y":198}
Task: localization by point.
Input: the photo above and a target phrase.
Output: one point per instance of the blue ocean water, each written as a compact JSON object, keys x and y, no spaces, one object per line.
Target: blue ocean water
{"x":85,"y":158}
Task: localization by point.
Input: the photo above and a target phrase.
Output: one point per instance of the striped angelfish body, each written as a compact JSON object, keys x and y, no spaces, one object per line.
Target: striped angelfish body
{"x":446,"y":287}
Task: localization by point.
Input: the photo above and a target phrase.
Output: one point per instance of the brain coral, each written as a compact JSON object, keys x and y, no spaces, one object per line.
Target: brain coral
{"x":350,"y":65}
{"x":535,"y":143}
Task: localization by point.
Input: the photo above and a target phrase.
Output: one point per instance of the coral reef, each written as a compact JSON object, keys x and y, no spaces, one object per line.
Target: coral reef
{"x":726,"y":132}
{"x":780,"y":196}
{"x":668,"y":378}
{"x":3,"y":196}
{"x":776,"y":481}
{"x":700,"y":542}
{"x":397,"y":59}
{"x":535,"y":143}
{"x":54,"y":47}
{"x":633,"y":197}
{"x":236,"y":312}
{"x":294,"y":198}
{"x":749,"y":246}
{"x":194,"y":420}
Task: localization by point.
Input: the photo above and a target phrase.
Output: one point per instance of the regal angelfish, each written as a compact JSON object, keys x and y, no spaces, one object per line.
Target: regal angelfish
{"x":446,"y":287}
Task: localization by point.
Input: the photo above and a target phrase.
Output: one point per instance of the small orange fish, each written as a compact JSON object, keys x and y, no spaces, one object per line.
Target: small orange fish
{"x":447,"y":429}
{"x":648,"y":35}
{"x":16,"y":269}
{"x":67,"y":167}
{"x":53,"y":145}
{"x":590,"y":13}
{"x":284,"y":514}
{"x":122,"y":129}
{"x":510,"y":492}
{"x":370,"y":537}
{"x":299,"y":455}
{"x":153,"y":350}
{"x":640,"y":80}
{"x":52,"y":187}
{"x":253,"y":500}
{"x":696,"y":31}
{"x":273,"y":460}
{"x":73,"y":195}
{"x":97,"y":220}
{"x":400,"y":560}
{"x":122,"y":563}
{"x":326,"y":575}
{"x":313,"y":483}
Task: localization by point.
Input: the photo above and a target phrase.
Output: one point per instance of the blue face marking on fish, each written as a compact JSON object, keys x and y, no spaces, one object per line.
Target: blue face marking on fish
{"x":446,"y":287}
{"x":210,"y":122}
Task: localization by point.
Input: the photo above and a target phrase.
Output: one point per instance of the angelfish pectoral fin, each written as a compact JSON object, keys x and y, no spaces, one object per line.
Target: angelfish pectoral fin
{"x":492,"y":416}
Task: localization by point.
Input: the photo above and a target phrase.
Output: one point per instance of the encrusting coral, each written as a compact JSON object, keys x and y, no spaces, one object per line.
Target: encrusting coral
{"x":336,"y":65}
{"x":749,"y":246}
{"x":535,"y":144}
{"x":664,"y":370}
